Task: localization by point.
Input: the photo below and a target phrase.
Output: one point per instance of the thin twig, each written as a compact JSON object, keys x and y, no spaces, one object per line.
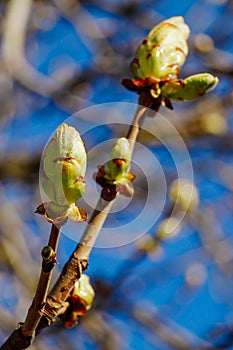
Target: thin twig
{"x":135,"y":126}
{"x":79,"y":259}
{"x":35,"y":312}
{"x":23,"y":336}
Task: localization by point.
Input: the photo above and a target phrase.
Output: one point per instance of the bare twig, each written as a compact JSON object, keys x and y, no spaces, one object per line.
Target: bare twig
{"x":23,"y":336}
{"x":35,"y":312}
{"x":78,"y":260}
{"x":135,"y":126}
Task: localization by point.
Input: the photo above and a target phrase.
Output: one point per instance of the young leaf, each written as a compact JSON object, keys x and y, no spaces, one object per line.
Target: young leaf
{"x":190,"y":88}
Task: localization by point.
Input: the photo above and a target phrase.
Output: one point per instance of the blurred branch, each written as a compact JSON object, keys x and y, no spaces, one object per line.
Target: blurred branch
{"x":219,"y":61}
{"x":13,"y":53}
{"x":169,"y":332}
{"x":80,"y":18}
{"x":101,"y":331}
{"x":23,"y":168}
{"x":87,"y":28}
{"x":213,"y":241}
{"x":6,"y":320}
{"x":11,"y":228}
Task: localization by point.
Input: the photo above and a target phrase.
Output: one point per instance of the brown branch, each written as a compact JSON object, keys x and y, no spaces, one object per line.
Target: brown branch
{"x":78,"y":261}
{"x":23,"y":336}
{"x":35,"y":312}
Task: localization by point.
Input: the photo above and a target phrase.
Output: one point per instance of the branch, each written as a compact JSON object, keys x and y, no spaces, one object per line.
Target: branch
{"x":15,"y":60}
{"x":23,"y":336}
{"x":78,"y":261}
{"x":169,"y":332}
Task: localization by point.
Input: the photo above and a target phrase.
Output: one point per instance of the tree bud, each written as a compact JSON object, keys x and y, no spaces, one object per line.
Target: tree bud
{"x":163,"y":52}
{"x":64,"y":167}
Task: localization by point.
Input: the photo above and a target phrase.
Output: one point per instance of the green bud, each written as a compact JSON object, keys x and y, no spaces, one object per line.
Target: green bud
{"x":80,"y":301}
{"x":190,"y":88}
{"x":75,"y":213}
{"x":116,"y":177}
{"x":48,"y":253}
{"x":163,"y":52}
{"x":64,"y":167}
{"x":84,"y":290}
{"x":119,"y":164}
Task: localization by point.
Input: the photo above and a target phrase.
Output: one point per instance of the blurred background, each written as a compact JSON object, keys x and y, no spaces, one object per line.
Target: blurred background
{"x":60,"y":56}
